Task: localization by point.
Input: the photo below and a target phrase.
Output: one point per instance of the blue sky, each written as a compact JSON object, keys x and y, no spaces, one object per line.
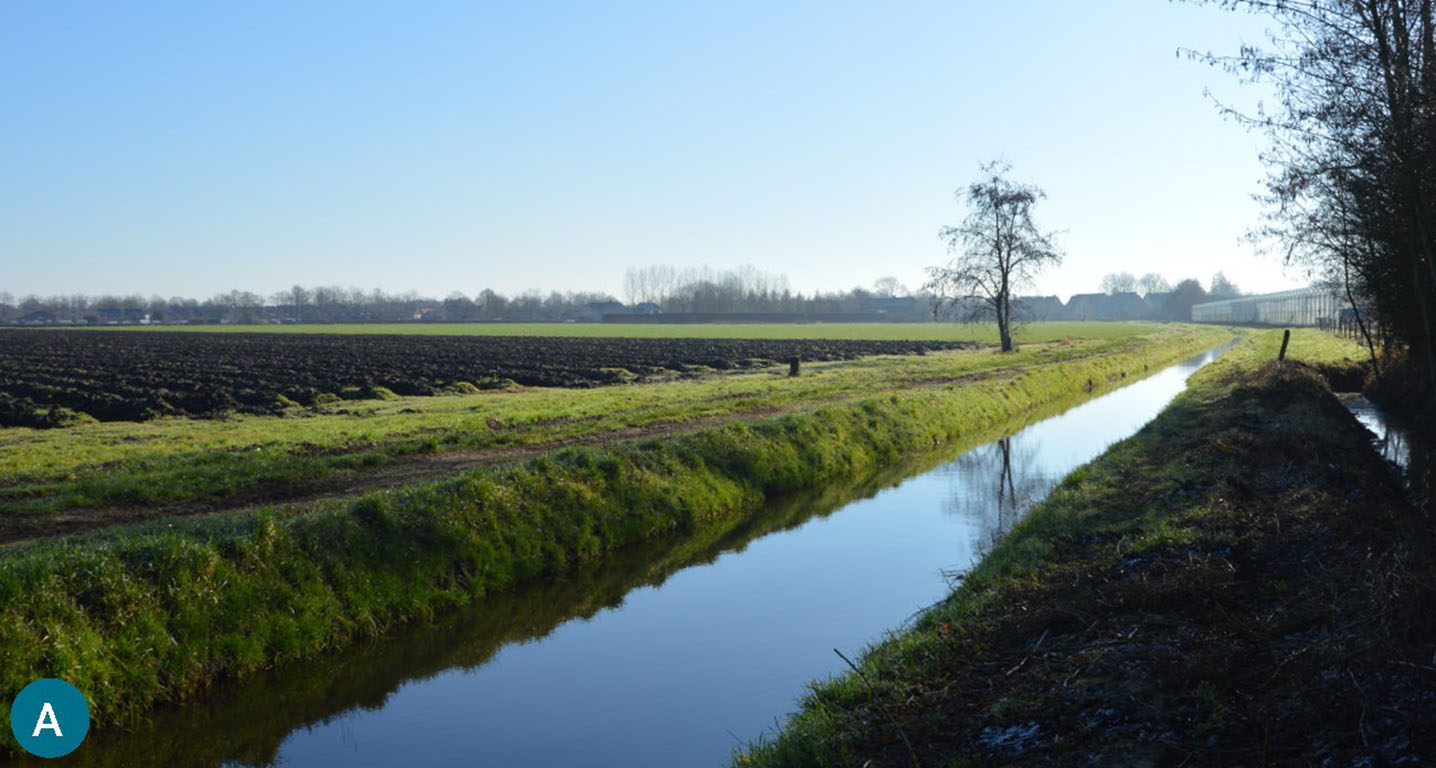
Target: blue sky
{"x":191,"y":148}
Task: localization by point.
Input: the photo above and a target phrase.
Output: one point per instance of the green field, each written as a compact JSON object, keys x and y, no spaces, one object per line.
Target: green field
{"x":986,"y":332}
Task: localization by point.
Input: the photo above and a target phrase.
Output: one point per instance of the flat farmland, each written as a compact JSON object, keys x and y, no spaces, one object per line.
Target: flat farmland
{"x":91,"y":474}
{"x":46,"y":377}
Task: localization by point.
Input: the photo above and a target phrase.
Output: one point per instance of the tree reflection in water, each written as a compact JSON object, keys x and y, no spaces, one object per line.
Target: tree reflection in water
{"x":995,"y":484}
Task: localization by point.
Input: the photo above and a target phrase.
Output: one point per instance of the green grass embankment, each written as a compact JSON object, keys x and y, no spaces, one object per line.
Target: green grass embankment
{"x":1242,"y":582}
{"x":139,"y":615}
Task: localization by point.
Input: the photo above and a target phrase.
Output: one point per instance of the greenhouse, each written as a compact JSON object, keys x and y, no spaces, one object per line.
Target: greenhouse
{"x":1304,"y":306}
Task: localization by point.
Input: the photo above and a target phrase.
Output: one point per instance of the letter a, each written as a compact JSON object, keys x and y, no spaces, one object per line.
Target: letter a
{"x":47,"y":720}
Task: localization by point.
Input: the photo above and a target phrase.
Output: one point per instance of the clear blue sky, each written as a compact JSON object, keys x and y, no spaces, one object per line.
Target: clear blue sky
{"x":190,"y":148}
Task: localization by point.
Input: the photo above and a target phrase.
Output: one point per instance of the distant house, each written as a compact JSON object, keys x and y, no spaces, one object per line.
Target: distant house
{"x":184,"y":313}
{"x":1129,"y":306}
{"x":1037,"y":309}
{"x":1156,"y":305}
{"x":647,"y":308}
{"x":594,"y":311}
{"x":279,"y":314}
{"x":1083,"y":306}
{"x":1105,"y":307}
{"x":964,"y":310}
{"x":607,"y":307}
{"x":42,"y":317}
{"x":424,"y":314}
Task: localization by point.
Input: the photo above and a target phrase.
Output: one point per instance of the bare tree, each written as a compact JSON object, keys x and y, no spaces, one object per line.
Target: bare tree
{"x":997,"y":249}
{"x":1153,"y":283}
{"x":299,"y":297}
{"x":655,"y":283}
{"x":637,"y":286}
{"x":889,"y":286}
{"x":1118,"y":282}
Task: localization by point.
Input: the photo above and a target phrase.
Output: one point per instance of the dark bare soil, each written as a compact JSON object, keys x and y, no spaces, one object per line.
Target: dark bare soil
{"x":46,"y":377}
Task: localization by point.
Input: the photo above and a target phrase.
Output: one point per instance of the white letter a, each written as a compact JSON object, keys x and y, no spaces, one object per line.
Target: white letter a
{"x":47,"y":720}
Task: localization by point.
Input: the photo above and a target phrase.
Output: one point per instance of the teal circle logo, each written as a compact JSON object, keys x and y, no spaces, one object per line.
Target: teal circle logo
{"x":50,"y":718}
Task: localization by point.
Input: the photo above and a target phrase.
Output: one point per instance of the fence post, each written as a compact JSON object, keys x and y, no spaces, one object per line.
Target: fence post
{"x":793,"y":366}
{"x":1285,"y":337}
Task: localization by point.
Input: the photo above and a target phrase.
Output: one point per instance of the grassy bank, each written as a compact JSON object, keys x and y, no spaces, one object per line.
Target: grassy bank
{"x":1242,"y":582}
{"x":56,"y":480}
{"x":137,"y":615}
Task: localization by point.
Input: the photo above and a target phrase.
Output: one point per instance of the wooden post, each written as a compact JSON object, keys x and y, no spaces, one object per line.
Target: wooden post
{"x":1285,"y":337}
{"x":793,"y":366}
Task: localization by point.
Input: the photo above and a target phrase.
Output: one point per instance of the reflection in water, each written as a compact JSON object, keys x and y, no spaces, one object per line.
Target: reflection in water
{"x":647,"y":660}
{"x":993,"y":485}
{"x":1399,"y":444}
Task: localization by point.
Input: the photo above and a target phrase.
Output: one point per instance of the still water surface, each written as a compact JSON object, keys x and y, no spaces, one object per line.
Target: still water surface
{"x":660,"y":658}
{"x":1400,"y":445}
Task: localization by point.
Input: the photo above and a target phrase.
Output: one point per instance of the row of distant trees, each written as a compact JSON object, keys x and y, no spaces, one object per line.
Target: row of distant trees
{"x":1125,"y":282}
{"x":665,"y":289}
{"x":744,"y":289}
{"x":705,"y":290}
{"x":1180,"y":298}
{"x":322,"y":304}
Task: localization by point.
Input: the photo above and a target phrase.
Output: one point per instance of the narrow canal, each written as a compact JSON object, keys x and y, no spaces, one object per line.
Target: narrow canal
{"x":1398,"y":444}
{"x":667,"y":657}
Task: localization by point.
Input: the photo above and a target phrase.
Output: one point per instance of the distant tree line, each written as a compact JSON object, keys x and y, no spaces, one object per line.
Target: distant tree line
{"x":654,"y":289}
{"x":1124,"y":282}
{"x":1177,"y":300}
{"x":661,"y":289}
{"x":745,"y":289}
{"x":322,"y":304}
